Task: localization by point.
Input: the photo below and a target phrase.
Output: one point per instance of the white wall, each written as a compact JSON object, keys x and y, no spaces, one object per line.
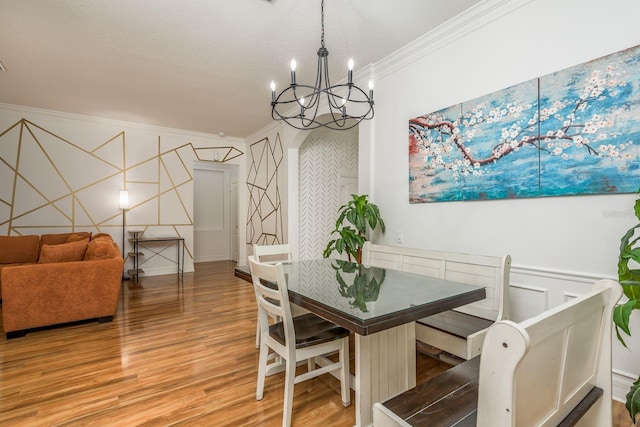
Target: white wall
{"x":506,"y":42}
{"x":558,"y":245}
{"x":500,"y":54}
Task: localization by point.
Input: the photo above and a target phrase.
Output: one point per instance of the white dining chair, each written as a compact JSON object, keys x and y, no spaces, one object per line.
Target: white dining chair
{"x":294,"y":339}
{"x":271,"y":254}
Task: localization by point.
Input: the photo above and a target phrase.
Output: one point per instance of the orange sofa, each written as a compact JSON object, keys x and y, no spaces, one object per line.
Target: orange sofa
{"x":71,"y":278}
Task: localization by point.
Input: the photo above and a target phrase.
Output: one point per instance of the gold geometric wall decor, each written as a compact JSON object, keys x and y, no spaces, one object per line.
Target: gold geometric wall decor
{"x":264,"y":216}
{"x":50,"y":184}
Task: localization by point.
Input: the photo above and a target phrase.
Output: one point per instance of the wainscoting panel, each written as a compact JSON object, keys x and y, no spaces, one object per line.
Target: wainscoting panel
{"x":534,"y":290}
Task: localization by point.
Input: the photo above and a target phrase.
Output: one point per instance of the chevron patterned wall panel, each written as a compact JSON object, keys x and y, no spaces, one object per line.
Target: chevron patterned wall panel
{"x":322,"y":158}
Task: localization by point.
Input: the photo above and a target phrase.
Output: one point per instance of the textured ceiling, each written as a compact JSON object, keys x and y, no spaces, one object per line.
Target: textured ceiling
{"x":196,"y":65}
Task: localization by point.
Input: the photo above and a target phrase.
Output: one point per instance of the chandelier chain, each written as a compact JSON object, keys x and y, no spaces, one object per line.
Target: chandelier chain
{"x":322,"y":23}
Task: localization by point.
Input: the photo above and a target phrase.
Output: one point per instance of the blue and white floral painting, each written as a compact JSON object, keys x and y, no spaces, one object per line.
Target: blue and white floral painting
{"x":569,"y":133}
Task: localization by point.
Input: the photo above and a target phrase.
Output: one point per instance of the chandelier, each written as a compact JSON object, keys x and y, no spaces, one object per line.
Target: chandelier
{"x":298,"y":104}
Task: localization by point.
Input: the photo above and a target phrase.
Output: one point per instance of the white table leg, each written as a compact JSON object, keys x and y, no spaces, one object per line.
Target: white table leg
{"x":385,"y":367}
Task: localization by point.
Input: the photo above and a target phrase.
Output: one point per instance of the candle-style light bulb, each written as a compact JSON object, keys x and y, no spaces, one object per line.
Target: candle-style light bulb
{"x":344,"y":107}
{"x":371,"y":90}
{"x":273,"y":91}
{"x":350,"y":71}
{"x":301,"y":102}
{"x":293,"y":72}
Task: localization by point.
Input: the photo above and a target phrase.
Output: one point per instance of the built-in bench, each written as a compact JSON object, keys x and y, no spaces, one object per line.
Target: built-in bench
{"x":459,"y":332}
{"x":243,"y":273}
{"x":549,"y":370}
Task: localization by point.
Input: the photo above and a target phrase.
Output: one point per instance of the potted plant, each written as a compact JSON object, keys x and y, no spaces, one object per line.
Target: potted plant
{"x":360,"y":214}
{"x":630,"y":281}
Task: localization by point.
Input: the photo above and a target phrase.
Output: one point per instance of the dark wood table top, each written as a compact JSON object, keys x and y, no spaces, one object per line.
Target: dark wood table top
{"x":366,"y":300}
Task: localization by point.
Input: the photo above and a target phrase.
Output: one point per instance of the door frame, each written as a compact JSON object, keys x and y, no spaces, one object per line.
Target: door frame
{"x":232,"y":212}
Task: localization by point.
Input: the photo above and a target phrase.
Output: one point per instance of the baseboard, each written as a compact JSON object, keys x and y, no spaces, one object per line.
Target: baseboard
{"x":159,"y":271}
{"x":211,"y":258}
{"x":621,"y":383}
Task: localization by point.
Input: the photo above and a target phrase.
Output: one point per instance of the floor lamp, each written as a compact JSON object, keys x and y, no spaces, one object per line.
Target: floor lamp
{"x":124,"y":205}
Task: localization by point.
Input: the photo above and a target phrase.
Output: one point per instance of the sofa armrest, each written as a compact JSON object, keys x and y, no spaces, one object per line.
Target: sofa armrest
{"x":46,"y":294}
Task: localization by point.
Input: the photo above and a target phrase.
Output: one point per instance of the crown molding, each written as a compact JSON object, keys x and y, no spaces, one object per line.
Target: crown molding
{"x":93,"y":120}
{"x":274,"y":127}
{"x":459,"y":26}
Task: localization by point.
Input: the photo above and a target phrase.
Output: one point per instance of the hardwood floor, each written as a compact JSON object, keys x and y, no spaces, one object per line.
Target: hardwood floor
{"x":175,"y":354}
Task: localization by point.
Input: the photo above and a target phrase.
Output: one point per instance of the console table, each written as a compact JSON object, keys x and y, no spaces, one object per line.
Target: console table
{"x":145,"y":242}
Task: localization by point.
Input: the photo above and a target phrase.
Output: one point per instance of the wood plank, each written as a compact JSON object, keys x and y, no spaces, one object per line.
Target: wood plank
{"x":455,"y":323}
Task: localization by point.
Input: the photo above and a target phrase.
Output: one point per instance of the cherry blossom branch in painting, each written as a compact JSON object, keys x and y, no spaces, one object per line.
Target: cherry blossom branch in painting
{"x":577,"y":125}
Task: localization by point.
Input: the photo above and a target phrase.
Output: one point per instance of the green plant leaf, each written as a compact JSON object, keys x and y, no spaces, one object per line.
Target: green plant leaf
{"x":621,"y":315}
{"x":633,"y":400}
{"x":620,"y":337}
{"x":351,"y":226}
{"x":629,"y":279}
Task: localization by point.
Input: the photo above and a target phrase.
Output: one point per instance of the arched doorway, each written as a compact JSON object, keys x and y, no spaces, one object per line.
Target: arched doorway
{"x":327,"y":176}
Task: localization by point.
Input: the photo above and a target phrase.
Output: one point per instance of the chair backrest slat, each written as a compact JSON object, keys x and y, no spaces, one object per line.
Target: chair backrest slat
{"x":270,"y":286}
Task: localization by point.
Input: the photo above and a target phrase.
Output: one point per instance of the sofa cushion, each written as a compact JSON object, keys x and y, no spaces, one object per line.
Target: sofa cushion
{"x":95,"y":236}
{"x":16,"y":249}
{"x":101,"y":247}
{"x":72,"y":251}
{"x":76,"y":237}
{"x":60,"y":238}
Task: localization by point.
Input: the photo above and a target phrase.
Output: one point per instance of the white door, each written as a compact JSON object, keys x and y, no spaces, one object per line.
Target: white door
{"x":348,"y":186}
{"x":215,"y":212}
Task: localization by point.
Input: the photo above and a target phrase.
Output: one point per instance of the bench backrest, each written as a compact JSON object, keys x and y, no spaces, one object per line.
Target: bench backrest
{"x":535,"y":372}
{"x":272,"y":254}
{"x":492,"y":272}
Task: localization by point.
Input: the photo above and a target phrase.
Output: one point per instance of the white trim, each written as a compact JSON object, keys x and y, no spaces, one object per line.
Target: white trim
{"x":167,"y":270}
{"x":622,"y":382}
{"x":93,"y":120}
{"x":574,"y":276}
{"x":459,"y":26}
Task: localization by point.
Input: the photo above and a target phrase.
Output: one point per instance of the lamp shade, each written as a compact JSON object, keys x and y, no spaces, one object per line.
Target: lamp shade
{"x":124,"y":199}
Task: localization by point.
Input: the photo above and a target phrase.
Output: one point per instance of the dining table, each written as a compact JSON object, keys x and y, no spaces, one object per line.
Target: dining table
{"x":380,"y":306}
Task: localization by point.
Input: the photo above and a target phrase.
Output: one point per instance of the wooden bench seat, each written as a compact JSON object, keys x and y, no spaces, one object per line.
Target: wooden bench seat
{"x":459,"y":332}
{"x":455,"y":323}
{"x":551,"y":370}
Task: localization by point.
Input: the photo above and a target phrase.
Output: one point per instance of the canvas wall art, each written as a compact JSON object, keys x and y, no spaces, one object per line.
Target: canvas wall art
{"x":572,"y":132}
